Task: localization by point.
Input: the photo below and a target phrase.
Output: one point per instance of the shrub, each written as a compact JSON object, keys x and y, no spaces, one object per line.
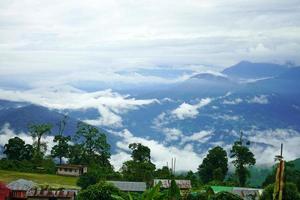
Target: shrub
{"x":225,"y":196}
{"x":99,"y":191}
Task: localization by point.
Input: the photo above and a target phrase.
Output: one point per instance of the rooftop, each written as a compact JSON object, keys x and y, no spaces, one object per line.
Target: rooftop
{"x":21,"y":184}
{"x":129,"y":186}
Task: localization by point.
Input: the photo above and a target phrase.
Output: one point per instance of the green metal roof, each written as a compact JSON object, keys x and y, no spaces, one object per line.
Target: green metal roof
{"x":217,"y":189}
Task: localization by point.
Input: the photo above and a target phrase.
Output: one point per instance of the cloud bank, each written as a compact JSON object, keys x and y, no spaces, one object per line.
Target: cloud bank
{"x":110,"y":105}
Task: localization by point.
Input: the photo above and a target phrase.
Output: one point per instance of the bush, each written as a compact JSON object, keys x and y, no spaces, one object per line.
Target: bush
{"x":99,"y":191}
{"x":46,"y":166}
{"x":197,"y":196}
{"x":290,"y":192}
{"x":225,"y":196}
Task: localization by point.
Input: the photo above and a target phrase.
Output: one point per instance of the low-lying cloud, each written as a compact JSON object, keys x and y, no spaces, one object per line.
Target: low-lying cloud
{"x":110,"y":105}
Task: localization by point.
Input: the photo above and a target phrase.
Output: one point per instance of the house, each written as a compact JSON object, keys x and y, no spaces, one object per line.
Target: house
{"x":126,"y":186}
{"x":51,"y":195}
{"x":71,"y":170}
{"x":4,"y":191}
{"x":19,"y":188}
{"x":244,"y":193}
{"x":166,"y":183}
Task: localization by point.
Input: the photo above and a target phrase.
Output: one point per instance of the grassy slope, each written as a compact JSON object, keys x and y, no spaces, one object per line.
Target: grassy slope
{"x":54,"y":181}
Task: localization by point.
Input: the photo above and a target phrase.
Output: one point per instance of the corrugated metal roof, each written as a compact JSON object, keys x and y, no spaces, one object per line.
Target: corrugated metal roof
{"x":21,"y":184}
{"x":129,"y":186}
{"x":217,"y":189}
{"x":166,"y":183}
{"x":66,"y":166}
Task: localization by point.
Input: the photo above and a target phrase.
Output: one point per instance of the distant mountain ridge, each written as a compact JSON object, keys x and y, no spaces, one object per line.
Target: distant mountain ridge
{"x":246,"y":69}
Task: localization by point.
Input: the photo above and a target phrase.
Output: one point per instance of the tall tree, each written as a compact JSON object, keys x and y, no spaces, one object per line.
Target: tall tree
{"x":37,"y":131}
{"x":16,"y":149}
{"x":214,"y":165}
{"x":140,"y":168}
{"x":243,"y":158}
{"x":163,"y":173}
{"x":62,"y":148}
{"x":94,"y":144}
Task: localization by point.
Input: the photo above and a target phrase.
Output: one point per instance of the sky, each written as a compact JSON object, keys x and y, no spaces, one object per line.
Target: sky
{"x":49,"y":47}
{"x":42,"y":42}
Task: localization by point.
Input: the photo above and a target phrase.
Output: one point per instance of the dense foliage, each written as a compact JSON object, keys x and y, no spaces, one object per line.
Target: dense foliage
{"x":243,"y":158}
{"x":99,"y":191}
{"x":140,"y":168}
{"x":214,"y":165}
{"x":290,"y":192}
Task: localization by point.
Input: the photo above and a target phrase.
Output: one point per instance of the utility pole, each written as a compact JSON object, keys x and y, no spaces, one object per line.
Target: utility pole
{"x":278,"y":187}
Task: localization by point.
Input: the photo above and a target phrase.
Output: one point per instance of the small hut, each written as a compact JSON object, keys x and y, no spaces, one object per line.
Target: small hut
{"x":71,"y":170}
{"x":4,"y":191}
{"x":20,"y":187}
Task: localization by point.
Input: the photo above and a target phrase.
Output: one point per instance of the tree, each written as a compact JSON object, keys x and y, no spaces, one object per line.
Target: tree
{"x":16,"y":149}
{"x":163,"y":173}
{"x":193,"y":178}
{"x":140,"y":168}
{"x":94,"y":144}
{"x":243,"y":158}
{"x":99,"y":191}
{"x":13,"y":148}
{"x":214,"y":165}
{"x":62,"y":148}
{"x":37,"y":131}
{"x":76,"y":154}
{"x":140,"y":153}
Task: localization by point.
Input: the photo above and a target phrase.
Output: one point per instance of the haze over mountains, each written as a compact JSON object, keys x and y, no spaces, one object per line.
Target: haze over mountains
{"x":181,"y":114}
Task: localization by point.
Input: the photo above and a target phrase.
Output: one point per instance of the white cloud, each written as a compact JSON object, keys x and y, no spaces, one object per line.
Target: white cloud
{"x":261,"y":99}
{"x":109,"y":104}
{"x":7,"y":133}
{"x":172,"y":134}
{"x":228,"y":117}
{"x":233,"y":102}
{"x":55,"y":38}
{"x":186,"y":110}
{"x":269,"y":144}
{"x":187,"y":158}
{"x":201,"y":137}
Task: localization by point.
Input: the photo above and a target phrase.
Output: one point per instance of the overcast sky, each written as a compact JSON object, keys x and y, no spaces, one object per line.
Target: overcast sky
{"x":54,"y":37}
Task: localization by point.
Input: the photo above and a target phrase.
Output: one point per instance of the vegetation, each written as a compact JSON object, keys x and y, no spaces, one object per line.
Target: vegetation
{"x":54,"y":181}
{"x":37,"y":131}
{"x":16,"y":149}
{"x":290,"y":192}
{"x":140,"y":168}
{"x":99,"y":191}
{"x":89,"y":147}
{"x":214,"y":166}
{"x":243,"y":157}
{"x":62,"y":148}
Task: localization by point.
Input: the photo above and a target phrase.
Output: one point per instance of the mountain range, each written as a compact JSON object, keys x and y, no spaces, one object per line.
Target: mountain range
{"x":178,"y":119}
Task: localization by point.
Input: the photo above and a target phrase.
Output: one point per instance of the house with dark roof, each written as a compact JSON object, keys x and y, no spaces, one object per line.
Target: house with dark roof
{"x":71,"y":170}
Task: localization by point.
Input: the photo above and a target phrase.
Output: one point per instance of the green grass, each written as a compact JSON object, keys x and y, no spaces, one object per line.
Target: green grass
{"x":54,"y":181}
